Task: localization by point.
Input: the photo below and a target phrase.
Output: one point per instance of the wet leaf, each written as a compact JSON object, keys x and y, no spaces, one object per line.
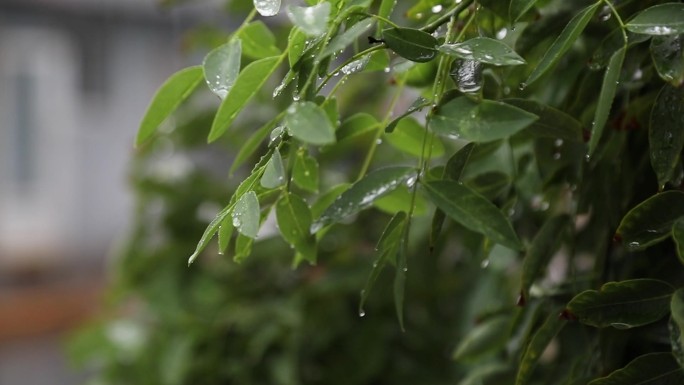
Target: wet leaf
{"x":401,"y":200}
{"x":541,"y":339}
{"x":608,"y":89}
{"x":661,"y":19}
{"x":252,"y":144}
{"x":222,"y":66}
{"x":267,"y":7}
{"x":411,"y":44}
{"x":169,"y":96}
{"x":552,"y":123}
{"x":489,"y":184}
{"x":677,"y":325}
{"x":484,"y":50}
{"x":457,"y":163}
{"x":570,"y":33}
{"x":668,"y":57}
{"x":305,"y":171}
{"x":247,"y":84}
{"x":518,"y":8}
{"x":623,"y":305}
{"x":417,"y":105}
{"x":294,"y":221}
{"x":313,"y":20}
{"x":467,"y":74}
{"x":473,"y":211}
{"x":613,"y":42}
{"x":651,"y":221}
{"x":243,"y":247}
{"x":408,"y":137}
{"x":539,"y":253}
{"x":308,"y":122}
{"x":666,"y":132}
{"x":225,"y":232}
{"x":362,"y":194}
{"x":274,"y":173}
{"x":258,"y":41}
{"x":328,"y":198}
{"x":486,"y":121}
{"x":348,"y":37}
{"x":653,"y":368}
{"x":487,"y":337}
{"x":246,"y":215}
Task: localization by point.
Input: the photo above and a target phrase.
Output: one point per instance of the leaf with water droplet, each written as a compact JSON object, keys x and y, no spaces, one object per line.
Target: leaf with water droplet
{"x":225,"y":232}
{"x":668,"y":56}
{"x":624,"y":304}
{"x":313,"y":20}
{"x":533,"y":351}
{"x":485,"y":338}
{"x":518,"y":8}
{"x":246,"y":215}
{"x":168,"y":97}
{"x":294,"y":221}
{"x":362,"y":194}
{"x":666,"y":132}
{"x":417,"y":105}
{"x":659,"y":20}
{"x":305,"y":171}
{"x":267,"y":7}
{"x":274,"y":173}
{"x":346,"y":38}
{"x":411,"y":44}
{"x":247,"y":84}
{"x":252,"y":144}
{"x":258,"y":41}
{"x":610,"y":44}
{"x":608,"y":90}
{"x":327,"y":199}
{"x":308,"y":122}
{"x":490,"y":184}
{"x":651,"y":221}
{"x":222,"y":66}
{"x":479,"y":122}
{"x":408,"y":137}
{"x":243,"y":247}
{"x":652,"y":368}
{"x":546,"y":242}
{"x":570,"y":33}
{"x":473,"y":211}
{"x":552,"y":123}
{"x":484,"y":50}
{"x":401,"y":200}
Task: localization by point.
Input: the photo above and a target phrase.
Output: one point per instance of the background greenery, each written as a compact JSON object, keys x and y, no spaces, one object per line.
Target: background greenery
{"x":528,"y":232}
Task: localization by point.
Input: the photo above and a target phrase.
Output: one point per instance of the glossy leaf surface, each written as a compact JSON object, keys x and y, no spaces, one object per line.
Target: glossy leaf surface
{"x":222,"y":66}
{"x":308,"y":122}
{"x":484,"y":50}
{"x":313,"y":20}
{"x":649,"y":369}
{"x":518,"y":8}
{"x":348,"y":37}
{"x":294,"y":220}
{"x":411,"y":44}
{"x":661,"y":19}
{"x":608,"y":89}
{"x":651,"y":221}
{"x":408,"y":137}
{"x":305,"y":172}
{"x":666,"y":132}
{"x":274,"y":173}
{"x":668,"y":57}
{"x":258,"y":41}
{"x":552,"y":123}
{"x":246,"y":215}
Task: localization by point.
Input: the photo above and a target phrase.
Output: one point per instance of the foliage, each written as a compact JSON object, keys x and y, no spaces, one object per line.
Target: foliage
{"x":497,"y":161}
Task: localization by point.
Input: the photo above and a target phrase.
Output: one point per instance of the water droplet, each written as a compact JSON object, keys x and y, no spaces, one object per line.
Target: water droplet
{"x":507,"y":90}
{"x":267,"y":7}
{"x":437,"y":8}
{"x":501,"y":34}
{"x":378,"y":141}
{"x":522,"y":86}
{"x":387,"y":70}
{"x":467,"y":74}
{"x":558,"y":142}
{"x":405,"y":269}
{"x":605,"y":13}
{"x":484,"y":264}
{"x":356,"y":65}
{"x":556,"y":155}
{"x":362,"y":313}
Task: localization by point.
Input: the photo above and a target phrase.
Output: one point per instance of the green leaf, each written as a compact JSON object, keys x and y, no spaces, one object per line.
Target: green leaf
{"x":328,"y":198}
{"x":243,"y":247}
{"x":668,"y":57}
{"x":661,"y":19}
{"x":246,"y":215}
{"x":258,"y":41}
{"x":570,"y":33}
{"x":313,"y":21}
{"x":463,"y":118}
{"x":274,"y":173}
{"x":400,"y":280}
{"x":305,"y":171}
{"x":541,"y":339}
{"x":297,"y":43}
{"x":401,"y":200}
{"x":544,"y":245}
{"x":267,"y":7}
{"x":518,"y":8}
{"x":473,"y":211}
{"x":385,"y":10}
{"x":678,"y":236}
{"x":349,"y":36}
{"x":225,"y":232}
{"x":485,"y":50}
{"x":408,"y":137}
{"x":651,"y":221}
{"x":552,"y":123}
{"x":387,"y":249}
{"x":677,"y":325}
{"x":252,"y":144}
{"x":294,"y":220}
{"x":490,"y":184}
{"x":222,"y":66}
{"x":168,"y":97}
{"x":649,"y":369}
{"x":457,"y":163}
{"x":411,"y":44}
{"x":610,"y":44}
{"x":485,"y":338}
{"x":666,"y":132}
{"x":417,"y":105}
{"x":247,"y":84}
{"x":308,"y":122}
{"x":362,"y":194}
{"x":356,"y":126}
{"x":608,"y":89}
{"x":623,"y":305}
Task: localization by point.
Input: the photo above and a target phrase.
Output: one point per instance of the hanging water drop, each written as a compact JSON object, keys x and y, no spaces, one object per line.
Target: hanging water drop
{"x":267,"y":7}
{"x":522,"y":86}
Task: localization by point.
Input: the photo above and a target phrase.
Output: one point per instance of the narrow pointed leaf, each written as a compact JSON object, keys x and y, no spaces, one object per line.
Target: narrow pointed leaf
{"x":243,"y":247}
{"x":677,"y":326}
{"x":247,"y":84}
{"x":552,"y":123}
{"x":327,"y":199}
{"x":649,"y":369}
{"x":661,"y":19}
{"x":274,"y":173}
{"x":305,"y":171}
{"x":668,"y":56}
{"x":666,"y":132}
{"x":222,"y":66}
{"x":209,"y":232}
{"x":385,"y":10}
{"x":225,"y":232}
{"x":417,"y":105}
{"x":545,"y":243}
{"x":678,"y":236}
{"x":308,"y":122}
{"x":518,"y":8}
{"x":411,"y":44}
{"x":623,"y":305}
{"x":345,"y":39}
{"x":258,"y":41}
{"x":401,"y":199}
{"x":246,"y":215}
{"x":490,"y":184}
{"x":472,"y":211}
{"x":408,"y":137}
{"x":541,"y":339}
{"x":485,"y":338}
{"x":457,"y":163}
{"x":651,"y":221}
{"x":294,"y":220}
{"x":169,"y":96}
{"x":484,"y":50}
{"x":313,"y":20}
{"x":608,"y":89}
{"x":486,"y":121}
{"x":362,"y":194}
{"x":297,"y":43}
{"x":570,"y":33}
{"x":252,"y":144}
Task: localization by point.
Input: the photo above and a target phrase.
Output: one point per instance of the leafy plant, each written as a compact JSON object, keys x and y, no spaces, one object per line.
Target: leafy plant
{"x":498,"y":163}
